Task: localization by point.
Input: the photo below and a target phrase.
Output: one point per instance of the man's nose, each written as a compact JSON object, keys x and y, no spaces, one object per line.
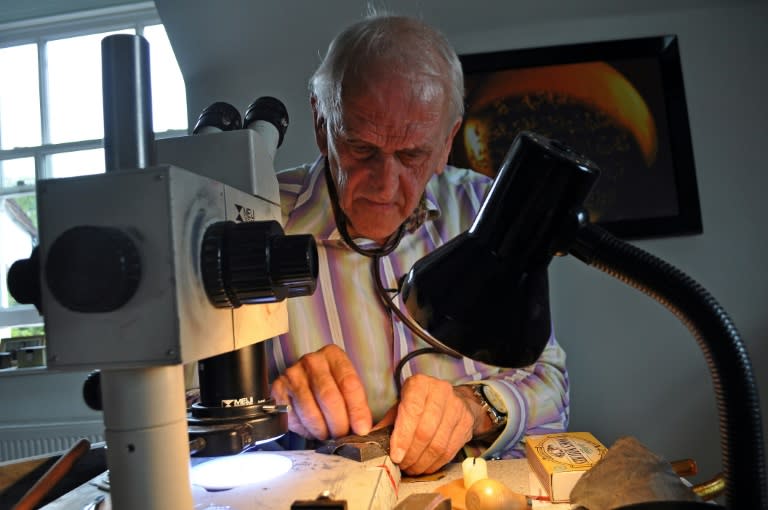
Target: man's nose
{"x":384,"y":177}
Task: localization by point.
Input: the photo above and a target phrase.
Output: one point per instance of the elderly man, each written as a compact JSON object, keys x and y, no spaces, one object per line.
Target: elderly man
{"x":387,"y":101}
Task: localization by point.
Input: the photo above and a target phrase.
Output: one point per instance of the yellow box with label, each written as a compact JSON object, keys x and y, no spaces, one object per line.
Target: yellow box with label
{"x":560,"y":459}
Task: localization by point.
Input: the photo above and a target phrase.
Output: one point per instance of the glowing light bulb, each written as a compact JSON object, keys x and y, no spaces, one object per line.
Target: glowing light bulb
{"x":228,"y":472}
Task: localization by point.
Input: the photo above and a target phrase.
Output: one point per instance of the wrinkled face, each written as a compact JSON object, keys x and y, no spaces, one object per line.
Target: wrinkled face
{"x":391,"y":142}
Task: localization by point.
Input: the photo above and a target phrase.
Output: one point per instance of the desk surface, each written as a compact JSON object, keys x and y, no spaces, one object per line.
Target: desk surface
{"x":359,"y":483}
{"x":514,"y":473}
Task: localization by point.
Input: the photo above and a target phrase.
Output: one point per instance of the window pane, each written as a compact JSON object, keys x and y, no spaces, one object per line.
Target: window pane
{"x":16,"y":173}
{"x":19,"y":104}
{"x":70,"y":164}
{"x":169,"y":98}
{"x":18,"y":230}
{"x":74,"y":88}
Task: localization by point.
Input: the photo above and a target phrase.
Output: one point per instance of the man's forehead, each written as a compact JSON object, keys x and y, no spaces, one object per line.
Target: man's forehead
{"x":399,"y":135}
{"x":361,"y":119}
{"x":388,"y":82}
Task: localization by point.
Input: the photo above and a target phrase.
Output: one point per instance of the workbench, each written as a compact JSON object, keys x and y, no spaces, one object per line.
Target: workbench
{"x":373,"y":484}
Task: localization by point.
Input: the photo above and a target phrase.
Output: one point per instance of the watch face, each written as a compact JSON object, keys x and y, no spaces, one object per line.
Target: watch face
{"x":494,"y":399}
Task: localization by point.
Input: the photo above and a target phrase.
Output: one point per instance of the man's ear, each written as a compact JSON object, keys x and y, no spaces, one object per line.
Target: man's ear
{"x":321,"y":131}
{"x":448,"y":145}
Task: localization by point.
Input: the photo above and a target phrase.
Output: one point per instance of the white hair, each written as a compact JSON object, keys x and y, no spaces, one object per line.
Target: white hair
{"x":379,"y":40}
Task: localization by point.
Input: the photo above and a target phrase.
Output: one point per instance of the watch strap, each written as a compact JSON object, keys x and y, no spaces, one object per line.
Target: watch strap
{"x":498,"y":418}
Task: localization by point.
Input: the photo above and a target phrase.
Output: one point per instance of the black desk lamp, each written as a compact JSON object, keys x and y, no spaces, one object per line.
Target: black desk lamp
{"x":492,"y":281}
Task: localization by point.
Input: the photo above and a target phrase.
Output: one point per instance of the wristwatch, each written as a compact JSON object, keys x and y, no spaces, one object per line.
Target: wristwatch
{"x":492,"y":403}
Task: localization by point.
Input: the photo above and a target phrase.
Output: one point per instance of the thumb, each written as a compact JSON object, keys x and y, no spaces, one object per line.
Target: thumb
{"x":388,"y":419}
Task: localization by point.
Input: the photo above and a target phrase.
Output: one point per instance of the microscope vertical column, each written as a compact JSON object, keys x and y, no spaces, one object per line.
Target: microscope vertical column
{"x":145,"y":423}
{"x":144,"y":408}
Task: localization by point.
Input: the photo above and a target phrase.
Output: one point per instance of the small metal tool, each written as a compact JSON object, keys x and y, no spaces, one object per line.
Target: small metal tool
{"x":359,"y":448}
{"x":324,"y":501}
{"x":96,"y":503}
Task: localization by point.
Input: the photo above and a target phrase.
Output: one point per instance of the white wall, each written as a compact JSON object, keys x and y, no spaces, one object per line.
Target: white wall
{"x":634,"y":369}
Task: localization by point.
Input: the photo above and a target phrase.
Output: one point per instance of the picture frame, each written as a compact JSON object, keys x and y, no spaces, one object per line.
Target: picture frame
{"x":620,"y":103}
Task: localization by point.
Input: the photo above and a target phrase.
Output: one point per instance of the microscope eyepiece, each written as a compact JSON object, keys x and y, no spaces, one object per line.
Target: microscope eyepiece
{"x":268,"y":109}
{"x":219,"y":116}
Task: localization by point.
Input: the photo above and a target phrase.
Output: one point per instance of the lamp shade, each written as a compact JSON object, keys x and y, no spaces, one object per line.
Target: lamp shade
{"x":484,"y":294}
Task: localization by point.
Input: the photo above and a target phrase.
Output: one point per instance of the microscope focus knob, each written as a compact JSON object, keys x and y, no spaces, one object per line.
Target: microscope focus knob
{"x":92,"y":390}
{"x":93,"y":269}
{"x":294,"y":264}
{"x":254,"y":262}
{"x":24,"y":280}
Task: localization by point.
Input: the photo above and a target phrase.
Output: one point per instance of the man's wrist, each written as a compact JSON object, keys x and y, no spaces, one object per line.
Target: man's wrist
{"x":488,"y":420}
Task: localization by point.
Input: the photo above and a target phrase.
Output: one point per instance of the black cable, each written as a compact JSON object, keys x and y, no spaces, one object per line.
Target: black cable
{"x":376,"y":253}
{"x":412,"y":325}
{"x":408,"y":357}
{"x":436,"y":346}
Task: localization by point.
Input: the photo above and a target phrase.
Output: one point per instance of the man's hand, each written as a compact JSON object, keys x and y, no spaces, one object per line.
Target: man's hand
{"x":326,"y":395}
{"x":433,"y":421}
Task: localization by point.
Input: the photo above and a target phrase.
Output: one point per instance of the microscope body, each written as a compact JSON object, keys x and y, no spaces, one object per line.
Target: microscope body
{"x":164,"y":211}
{"x":148,"y":314}
{"x":144,"y":269}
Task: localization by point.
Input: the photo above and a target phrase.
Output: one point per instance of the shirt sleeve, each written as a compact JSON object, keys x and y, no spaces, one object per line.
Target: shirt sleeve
{"x":536,"y":398}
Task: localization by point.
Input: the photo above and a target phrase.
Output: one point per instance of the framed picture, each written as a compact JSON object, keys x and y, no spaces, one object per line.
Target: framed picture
{"x":619,"y":103}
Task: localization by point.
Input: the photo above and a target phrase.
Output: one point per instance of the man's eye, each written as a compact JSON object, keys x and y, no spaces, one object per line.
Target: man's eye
{"x":410,"y":157}
{"x":362,"y":151}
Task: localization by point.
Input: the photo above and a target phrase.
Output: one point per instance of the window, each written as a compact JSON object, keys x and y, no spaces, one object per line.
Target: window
{"x":51,"y":122}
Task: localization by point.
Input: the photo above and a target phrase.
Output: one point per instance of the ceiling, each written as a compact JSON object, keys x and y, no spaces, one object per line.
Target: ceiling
{"x":15,"y":11}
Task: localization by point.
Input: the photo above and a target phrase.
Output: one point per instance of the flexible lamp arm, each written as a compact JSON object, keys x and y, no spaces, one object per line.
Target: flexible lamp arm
{"x":738,"y":403}
{"x":484,"y":293}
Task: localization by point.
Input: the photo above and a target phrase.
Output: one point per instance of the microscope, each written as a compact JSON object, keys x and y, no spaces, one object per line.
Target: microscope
{"x":174,"y":256}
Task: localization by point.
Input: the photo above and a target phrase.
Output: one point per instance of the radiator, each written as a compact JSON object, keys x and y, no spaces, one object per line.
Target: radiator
{"x":20,"y":441}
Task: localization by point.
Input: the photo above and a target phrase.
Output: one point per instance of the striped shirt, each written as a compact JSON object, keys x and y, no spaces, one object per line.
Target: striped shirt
{"x":346,"y":310}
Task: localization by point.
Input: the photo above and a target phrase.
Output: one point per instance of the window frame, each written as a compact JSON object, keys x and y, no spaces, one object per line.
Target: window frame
{"x":41,"y":31}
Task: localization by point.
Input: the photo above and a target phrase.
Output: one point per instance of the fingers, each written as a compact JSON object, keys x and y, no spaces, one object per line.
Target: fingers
{"x":326,"y":395}
{"x":308,"y":416}
{"x":281,"y":394}
{"x":432,"y":424}
{"x":352,"y":391}
{"x":459,"y":435}
{"x":317,"y":398}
